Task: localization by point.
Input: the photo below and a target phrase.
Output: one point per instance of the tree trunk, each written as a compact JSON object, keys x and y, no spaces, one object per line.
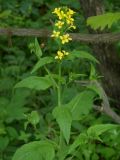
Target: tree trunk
{"x":109,"y":61}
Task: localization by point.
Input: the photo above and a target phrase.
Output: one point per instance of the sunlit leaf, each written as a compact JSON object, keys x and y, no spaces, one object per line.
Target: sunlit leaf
{"x":81,"y":104}
{"x":80,"y":140}
{"x":98,"y":129}
{"x":82,"y":54}
{"x":38,"y":51}
{"x":41,"y":63}
{"x":101,"y":21}
{"x":34,"y":82}
{"x":64,"y":119}
{"x":38,"y":150}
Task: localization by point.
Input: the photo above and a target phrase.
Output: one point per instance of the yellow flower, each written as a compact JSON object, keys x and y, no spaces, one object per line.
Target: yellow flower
{"x":69,"y":20}
{"x":65,"y":38}
{"x":65,"y":53}
{"x":61,"y":15}
{"x":57,"y":10}
{"x":59,"y":24}
{"x":60,"y":55}
{"x":55,"y":34}
{"x":72,"y":26}
{"x":70,"y":12}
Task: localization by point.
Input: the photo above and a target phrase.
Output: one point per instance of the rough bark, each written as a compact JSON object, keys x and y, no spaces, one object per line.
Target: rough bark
{"x":105,"y":53}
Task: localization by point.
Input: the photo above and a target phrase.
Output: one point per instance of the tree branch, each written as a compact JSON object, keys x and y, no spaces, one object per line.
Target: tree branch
{"x":105,"y":108}
{"x":86,"y":38}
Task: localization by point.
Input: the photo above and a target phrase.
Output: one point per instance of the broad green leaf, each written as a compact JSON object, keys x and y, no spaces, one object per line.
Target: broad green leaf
{"x":38,"y":150}
{"x":42,"y":62}
{"x":97,"y":130}
{"x":64,"y":119}
{"x":38,"y":51}
{"x":101,"y":21}
{"x":82,"y":54}
{"x":34,"y":82}
{"x":80,"y":140}
{"x":81,"y":104}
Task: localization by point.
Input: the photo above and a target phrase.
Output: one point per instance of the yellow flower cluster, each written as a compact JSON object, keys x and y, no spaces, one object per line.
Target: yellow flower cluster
{"x":65,"y":14}
{"x":55,"y":34}
{"x":61,"y":54}
{"x":65,"y":22}
{"x":65,"y":38}
{"x":59,"y":24}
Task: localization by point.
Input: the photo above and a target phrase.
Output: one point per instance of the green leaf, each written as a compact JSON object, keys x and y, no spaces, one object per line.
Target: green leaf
{"x":12,"y":132}
{"x":95,"y":88}
{"x":33,"y":118}
{"x":34,"y":82}
{"x":4,"y":141}
{"x":64,"y":119}
{"x":107,"y":152}
{"x":38,"y":51}
{"x":93,"y":74}
{"x":97,"y":130}
{"x":104,"y":20}
{"x":16,"y":109}
{"x":80,"y":140}
{"x":3,"y":103}
{"x":81,"y":54}
{"x":42,"y":62}
{"x":24,"y":136}
{"x":2,"y":131}
{"x":5,"y":14}
{"x":81,"y":104}
{"x":58,"y":78}
{"x":38,"y":150}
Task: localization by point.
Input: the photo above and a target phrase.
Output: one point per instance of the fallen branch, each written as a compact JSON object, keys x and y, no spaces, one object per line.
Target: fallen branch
{"x":86,"y":38}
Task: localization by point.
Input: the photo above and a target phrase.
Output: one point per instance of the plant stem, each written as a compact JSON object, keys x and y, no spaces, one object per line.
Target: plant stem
{"x":59,"y":86}
{"x":61,"y":139}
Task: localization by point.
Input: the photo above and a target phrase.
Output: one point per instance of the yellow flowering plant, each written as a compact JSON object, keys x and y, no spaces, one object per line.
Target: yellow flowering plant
{"x":58,"y":146}
{"x":64,"y":23}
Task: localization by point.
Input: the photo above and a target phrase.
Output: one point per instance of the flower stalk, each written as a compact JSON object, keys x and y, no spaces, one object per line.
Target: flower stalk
{"x":65,"y":22}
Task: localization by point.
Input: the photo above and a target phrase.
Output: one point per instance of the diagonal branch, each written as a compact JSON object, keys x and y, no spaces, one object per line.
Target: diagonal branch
{"x":105,"y":108}
{"x":86,"y":38}
{"x":105,"y":105}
